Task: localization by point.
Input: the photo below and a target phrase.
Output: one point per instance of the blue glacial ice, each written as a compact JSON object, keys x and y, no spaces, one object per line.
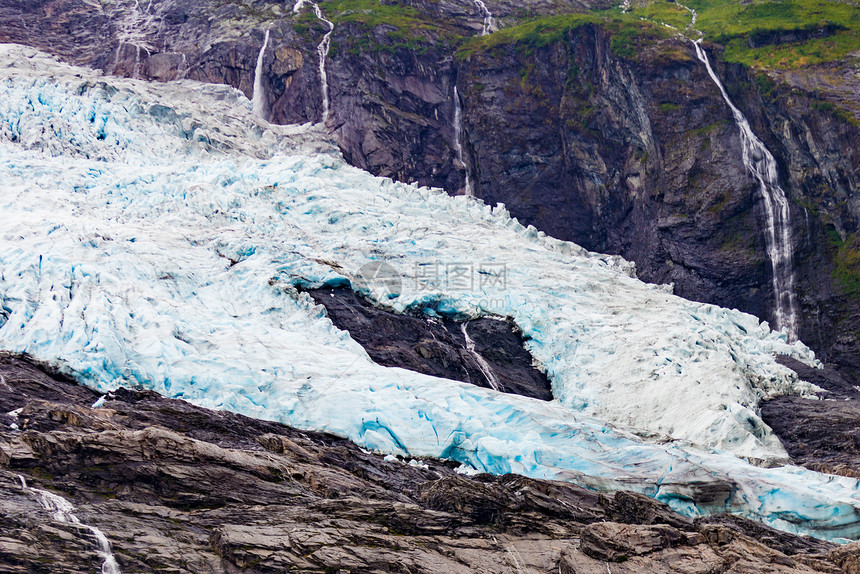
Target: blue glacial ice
{"x":155,"y":235}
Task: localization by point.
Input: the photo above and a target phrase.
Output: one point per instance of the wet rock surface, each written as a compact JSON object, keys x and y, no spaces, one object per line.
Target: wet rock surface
{"x":438,"y":347}
{"x":830,"y":379}
{"x":177,"y":488}
{"x":639,"y":156}
{"x":823,"y":434}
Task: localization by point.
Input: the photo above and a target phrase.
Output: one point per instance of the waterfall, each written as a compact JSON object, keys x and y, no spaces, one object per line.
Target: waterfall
{"x":136,"y":71}
{"x":182,"y":69}
{"x":762,"y":165}
{"x":459,"y":134}
{"x":133,"y":29}
{"x":693,"y":17}
{"x":489,"y":21}
{"x":322,"y":51}
{"x":258,"y":103}
{"x":62,"y":511}
{"x":485,"y":367}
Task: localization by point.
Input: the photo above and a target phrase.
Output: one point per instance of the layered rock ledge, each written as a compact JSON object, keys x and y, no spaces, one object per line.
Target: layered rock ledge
{"x":178,"y":488}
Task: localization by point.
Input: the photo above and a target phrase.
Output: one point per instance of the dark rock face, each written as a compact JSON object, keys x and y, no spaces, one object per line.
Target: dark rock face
{"x":412,"y":99}
{"x":165,"y":40}
{"x":635,"y":156}
{"x":822,"y":435}
{"x":438,"y":347}
{"x":819,"y":155}
{"x":836,"y":386}
{"x":615,"y":542}
{"x":177,"y":488}
{"x":641,"y":157}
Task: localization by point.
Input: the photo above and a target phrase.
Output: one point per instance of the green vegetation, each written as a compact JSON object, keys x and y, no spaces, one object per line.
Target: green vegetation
{"x":624,"y":42}
{"x":781,"y":33}
{"x":663,"y":12}
{"x":794,"y":55}
{"x":846,"y":256}
{"x":403,"y":25}
{"x":722,"y":20}
{"x":373,"y":13}
{"x":530,"y":35}
{"x":628,"y":33}
{"x":710,"y":128}
{"x":407,"y":27}
{"x":758,"y":33}
{"x":831,"y":108}
{"x":765,"y":86}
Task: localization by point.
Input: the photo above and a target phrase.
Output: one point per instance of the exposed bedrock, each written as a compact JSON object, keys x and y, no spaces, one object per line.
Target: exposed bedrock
{"x":493,"y":356}
{"x":177,"y":488}
{"x":641,"y":157}
{"x":629,"y":151}
{"x":822,"y":435}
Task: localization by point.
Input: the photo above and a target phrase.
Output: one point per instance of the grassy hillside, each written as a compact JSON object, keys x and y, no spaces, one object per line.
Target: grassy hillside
{"x":780,"y":34}
{"x":769,"y":33}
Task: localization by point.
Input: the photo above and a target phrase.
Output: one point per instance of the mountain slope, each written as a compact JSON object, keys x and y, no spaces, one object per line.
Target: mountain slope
{"x":195,"y":226}
{"x":587,"y":122}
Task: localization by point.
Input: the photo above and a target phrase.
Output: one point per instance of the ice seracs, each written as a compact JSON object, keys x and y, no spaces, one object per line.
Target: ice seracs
{"x":190,"y":235}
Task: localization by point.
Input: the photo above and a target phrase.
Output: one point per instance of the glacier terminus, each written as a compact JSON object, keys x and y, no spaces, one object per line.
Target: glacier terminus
{"x":161,"y":237}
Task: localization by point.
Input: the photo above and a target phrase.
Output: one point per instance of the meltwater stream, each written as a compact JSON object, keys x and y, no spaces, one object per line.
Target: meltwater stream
{"x":133,"y":30}
{"x":322,"y":51}
{"x":485,"y":367}
{"x":62,"y":511}
{"x":760,"y":162}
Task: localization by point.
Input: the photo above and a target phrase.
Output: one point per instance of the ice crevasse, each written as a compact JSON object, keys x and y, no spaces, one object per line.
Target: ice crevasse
{"x":155,"y":235}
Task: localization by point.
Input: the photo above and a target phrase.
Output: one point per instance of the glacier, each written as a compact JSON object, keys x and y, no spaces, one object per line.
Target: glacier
{"x":160,"y":236}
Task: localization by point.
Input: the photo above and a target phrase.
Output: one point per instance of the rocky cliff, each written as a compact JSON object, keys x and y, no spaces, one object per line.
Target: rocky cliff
{"x":640,"y":156}
{"x":177,"y":488}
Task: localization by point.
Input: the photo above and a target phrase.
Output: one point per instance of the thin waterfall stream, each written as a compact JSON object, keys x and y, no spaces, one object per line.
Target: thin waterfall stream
{"x":459,"y":131}
{"x":485,"y":367}
{"x":322,"y":51}
{"x":62,"y":511}
{"x":489,"y":21}
{"x":459,"y":134}
{"x":761,"y":163}
{"x":258,"y":102}
{"x":133,"y":30}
